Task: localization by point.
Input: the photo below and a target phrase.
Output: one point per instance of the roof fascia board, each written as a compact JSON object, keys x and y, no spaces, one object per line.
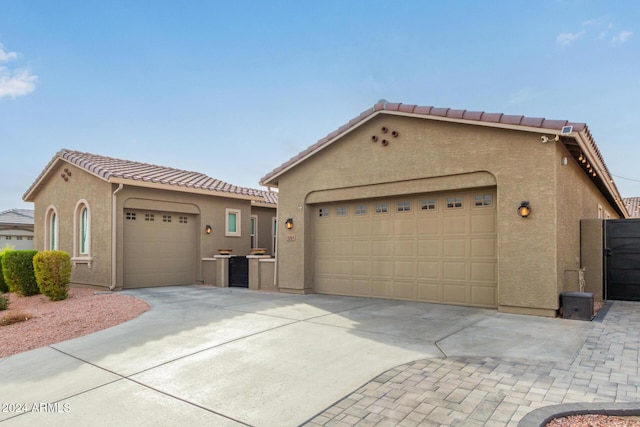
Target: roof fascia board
{"x":584,"y":142}
{"x":27,"y":197}
{"x":181,"y":188}
{"x":520,"y":128}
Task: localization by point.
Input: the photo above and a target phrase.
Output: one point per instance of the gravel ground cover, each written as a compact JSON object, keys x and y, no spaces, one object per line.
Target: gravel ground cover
{"x":83,"y":312}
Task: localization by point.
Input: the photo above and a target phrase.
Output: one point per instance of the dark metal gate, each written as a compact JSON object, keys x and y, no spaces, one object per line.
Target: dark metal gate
{"x":622,"y":259}
{"x":239,"y":271}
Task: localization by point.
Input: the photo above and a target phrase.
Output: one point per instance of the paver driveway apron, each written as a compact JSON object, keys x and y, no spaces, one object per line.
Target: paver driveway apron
{"x":211,"y":356}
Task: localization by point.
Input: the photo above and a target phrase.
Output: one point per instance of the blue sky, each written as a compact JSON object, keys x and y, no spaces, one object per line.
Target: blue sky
{"x":234,"y":89}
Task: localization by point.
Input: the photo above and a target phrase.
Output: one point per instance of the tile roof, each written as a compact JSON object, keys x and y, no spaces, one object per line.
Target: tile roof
{"x":17,"y":216}
{"x":480,"y":117}
{"x":136,"y":173}
{"x":633,"y":206}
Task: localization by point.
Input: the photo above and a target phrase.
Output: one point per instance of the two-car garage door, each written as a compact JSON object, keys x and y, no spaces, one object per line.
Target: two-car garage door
{"x":432,"y":247}
{"x":159,"y":248}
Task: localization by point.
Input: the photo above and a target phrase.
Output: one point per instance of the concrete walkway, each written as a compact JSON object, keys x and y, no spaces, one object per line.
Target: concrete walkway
{"x":210,"y":356}
{"x":500,"y":391}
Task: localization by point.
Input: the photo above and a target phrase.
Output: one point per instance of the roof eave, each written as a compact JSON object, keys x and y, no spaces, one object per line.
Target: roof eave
{"x":181,"y":188}
{"x":586,"y":143}
{"x":28,"y":196}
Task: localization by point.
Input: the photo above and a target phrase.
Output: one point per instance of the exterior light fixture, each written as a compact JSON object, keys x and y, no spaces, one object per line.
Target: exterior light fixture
{"x":208,"y":229}
{"x":525,"y":209}
{"x":289,"y":224}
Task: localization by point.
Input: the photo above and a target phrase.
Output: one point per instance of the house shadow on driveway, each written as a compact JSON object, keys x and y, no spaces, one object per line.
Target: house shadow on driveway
{"x":230,"y":355}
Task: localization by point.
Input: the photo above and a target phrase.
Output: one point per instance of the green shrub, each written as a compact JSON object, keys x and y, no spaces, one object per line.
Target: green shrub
{"x":53,"y":273}
{"x":17,"y":267}
{"x":4,"y":302}
{"x":3,"y":285}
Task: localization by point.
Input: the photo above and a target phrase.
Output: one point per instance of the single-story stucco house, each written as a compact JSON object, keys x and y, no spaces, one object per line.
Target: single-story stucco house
{"x":442,"y":205}
{"x":16,"y":229}
{"x":128,"y":224}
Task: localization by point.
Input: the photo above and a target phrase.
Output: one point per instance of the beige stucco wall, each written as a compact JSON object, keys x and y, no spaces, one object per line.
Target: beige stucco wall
{"x":591,"y":254}
{"x":578,"y":199}
{"x":523,"y":167}
{"x":65,"y":195}
{"x":209,"y":210}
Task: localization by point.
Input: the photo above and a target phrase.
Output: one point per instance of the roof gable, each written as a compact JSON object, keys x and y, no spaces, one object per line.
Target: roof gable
{"x":580,"y":134}
{"x":478,"y":118}
{"x":130,"y":172}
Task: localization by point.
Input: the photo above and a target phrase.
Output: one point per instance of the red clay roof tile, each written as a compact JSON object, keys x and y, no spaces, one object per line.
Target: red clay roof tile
{"x":510,"y":119}
{"x":406,"y":108}
{"x":456,"y":114}
{"x":491,"y":117}
{"x":109,"y":167}
{"x":442,"y":112}
{"x":472,"y":115}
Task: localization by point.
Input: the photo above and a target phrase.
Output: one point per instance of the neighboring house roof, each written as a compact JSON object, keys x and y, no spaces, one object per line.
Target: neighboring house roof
{"x":147,"y":175}
{"x":633,"y":206}
{"x":579,"y":141}
{"x":17,"y":219}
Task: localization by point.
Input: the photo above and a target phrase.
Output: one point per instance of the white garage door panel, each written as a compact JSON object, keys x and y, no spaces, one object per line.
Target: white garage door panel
{"x":445,"y":255}
{"x":159,"y":248}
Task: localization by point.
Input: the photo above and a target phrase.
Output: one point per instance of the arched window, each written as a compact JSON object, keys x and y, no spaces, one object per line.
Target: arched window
{"x":51,"y":229}
{"x":82,"y":233}
{"x":84,"y":230}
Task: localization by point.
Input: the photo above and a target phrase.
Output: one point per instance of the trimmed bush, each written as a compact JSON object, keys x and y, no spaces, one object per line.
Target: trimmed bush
{"x":53,"y":273}
{"x":17,"y":267}
{"x":3,"y":285}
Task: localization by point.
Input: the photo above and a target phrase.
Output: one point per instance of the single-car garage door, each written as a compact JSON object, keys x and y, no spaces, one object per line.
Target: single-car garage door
{"x":433,"y":247}
{"x":159,"y":248}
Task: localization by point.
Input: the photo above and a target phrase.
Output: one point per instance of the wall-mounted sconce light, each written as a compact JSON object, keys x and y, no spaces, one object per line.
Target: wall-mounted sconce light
{"x":289,"y":224}
{"x":525,"y":209}
{"x":208,"y":229}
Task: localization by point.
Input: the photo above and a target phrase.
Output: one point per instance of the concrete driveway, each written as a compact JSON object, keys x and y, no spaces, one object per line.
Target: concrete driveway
{"x":213,"y":356}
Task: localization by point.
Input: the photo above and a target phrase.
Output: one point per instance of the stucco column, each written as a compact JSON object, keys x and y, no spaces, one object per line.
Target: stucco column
{"x":222,"y":270}
{"x":254,"y":271}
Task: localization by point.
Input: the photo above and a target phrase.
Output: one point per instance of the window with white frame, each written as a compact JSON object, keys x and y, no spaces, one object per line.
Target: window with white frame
{"x":382,"y":207}
{"x":232,"y":222}
{"x":361,"y":210}
{"x":482,"y":200}
{"x":253,"y":231}
{"x":341,"y":211}
{"x":404,"y":206}
{"x":323,"y":212}
{"x":454,"y":202}
{"x":51,"y":229}
{"x":274,"y":234}
{"x":82,"y":228}
{"x":428,"y":205}
{"x":82,"y":234}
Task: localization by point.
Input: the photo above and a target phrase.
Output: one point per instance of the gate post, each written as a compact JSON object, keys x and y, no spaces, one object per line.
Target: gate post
{"x":222,"y":270}
{"x":591,"y":259}
{"x":254,"y":271}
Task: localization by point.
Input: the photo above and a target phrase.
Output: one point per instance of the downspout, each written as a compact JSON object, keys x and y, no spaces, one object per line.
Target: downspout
{"x":114,"y":224}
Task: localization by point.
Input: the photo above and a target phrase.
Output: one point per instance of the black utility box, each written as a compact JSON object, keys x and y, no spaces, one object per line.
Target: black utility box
{"x":577,"y":305}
